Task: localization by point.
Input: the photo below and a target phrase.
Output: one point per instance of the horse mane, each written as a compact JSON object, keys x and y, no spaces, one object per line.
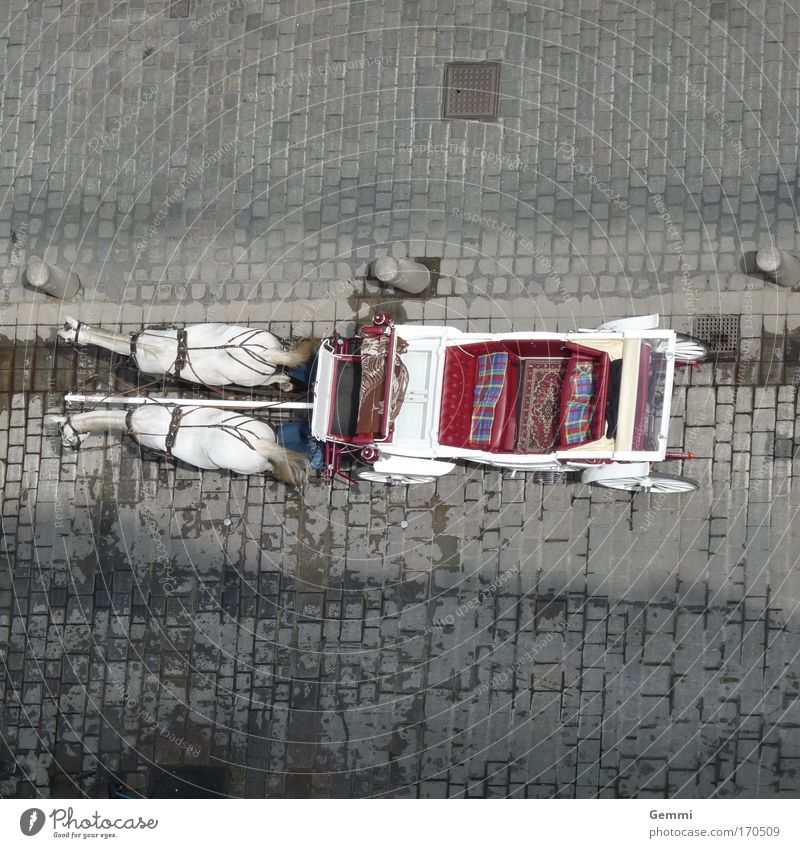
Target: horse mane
{"x":289,"y":466}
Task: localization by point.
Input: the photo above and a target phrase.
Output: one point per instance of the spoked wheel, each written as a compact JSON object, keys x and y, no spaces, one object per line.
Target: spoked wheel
{"x":656,"y":484}
{"x":395,"y":479}
{"x":690,"y":349}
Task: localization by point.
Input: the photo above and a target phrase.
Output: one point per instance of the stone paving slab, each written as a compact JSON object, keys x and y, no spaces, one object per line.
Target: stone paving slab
{"x":263,"y":149}
{"x":533,"y":642}
{"x":244,"y":163}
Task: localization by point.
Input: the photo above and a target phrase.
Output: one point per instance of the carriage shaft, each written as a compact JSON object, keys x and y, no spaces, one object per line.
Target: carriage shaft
{"x":220,"y":404}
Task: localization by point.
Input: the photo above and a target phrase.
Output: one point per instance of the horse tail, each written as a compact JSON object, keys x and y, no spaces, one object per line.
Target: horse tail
{"x":301,"y":351}
{"x":289,"y":466}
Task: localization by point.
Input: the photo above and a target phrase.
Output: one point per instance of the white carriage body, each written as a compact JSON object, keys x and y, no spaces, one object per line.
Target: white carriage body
{"x":414,"y":443}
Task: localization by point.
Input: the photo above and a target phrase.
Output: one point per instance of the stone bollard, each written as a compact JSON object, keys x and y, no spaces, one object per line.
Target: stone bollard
{"x":51,"y":280}
{"x":783,"y":267}
{"x":404,"y":274}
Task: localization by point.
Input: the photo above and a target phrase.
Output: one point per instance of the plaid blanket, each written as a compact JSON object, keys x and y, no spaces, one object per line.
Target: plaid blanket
{"x":579,"y":409}
{"x":489,"y":382}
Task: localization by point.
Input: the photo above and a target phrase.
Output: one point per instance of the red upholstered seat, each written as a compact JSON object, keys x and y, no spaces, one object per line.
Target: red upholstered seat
{"x":602,"y":366}
{"x":504,"y":430}
{"x":457,"y":392}
{"x":599,"y":424}
{"x":458,"y":387}
{"x":603,"y":376}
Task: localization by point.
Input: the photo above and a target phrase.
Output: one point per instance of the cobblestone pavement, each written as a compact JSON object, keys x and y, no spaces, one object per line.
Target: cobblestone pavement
{"x":243,"y":162}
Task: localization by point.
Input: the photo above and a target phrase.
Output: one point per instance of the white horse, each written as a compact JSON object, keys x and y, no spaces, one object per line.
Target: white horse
{"x":210,"y":354}
{"x":197,"y":435}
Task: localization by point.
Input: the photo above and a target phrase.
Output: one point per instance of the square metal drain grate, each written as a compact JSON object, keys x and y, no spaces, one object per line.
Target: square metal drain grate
{"x":179,"y":8}
{"x":720,"y":333}
{"x":471,"y":90}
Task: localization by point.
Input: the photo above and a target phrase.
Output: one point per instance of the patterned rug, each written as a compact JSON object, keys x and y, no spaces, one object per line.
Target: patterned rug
{"x":540,"y":404}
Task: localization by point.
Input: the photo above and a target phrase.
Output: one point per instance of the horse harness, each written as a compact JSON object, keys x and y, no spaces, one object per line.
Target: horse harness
{"x":172,"y":431}
{"x":177,"y":415}
{"x":239,"y":345}
{"x":182,"y":354}
{"x":175,"y":419}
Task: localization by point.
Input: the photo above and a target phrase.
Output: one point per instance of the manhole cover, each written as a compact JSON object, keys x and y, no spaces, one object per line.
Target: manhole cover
{"x":719,"y":332}
{"x":472,"y":90}
{"x":179,"y":8}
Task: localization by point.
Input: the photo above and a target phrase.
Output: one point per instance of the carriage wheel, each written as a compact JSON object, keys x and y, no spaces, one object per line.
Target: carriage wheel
{"x":691,"y":350}
{"x":656,"y":484}
{"x":395,"y":479}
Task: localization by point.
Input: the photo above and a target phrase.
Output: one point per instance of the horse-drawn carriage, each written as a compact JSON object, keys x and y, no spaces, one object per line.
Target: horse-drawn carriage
{"x":407,"y":401}
{"x":403,"y":403}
